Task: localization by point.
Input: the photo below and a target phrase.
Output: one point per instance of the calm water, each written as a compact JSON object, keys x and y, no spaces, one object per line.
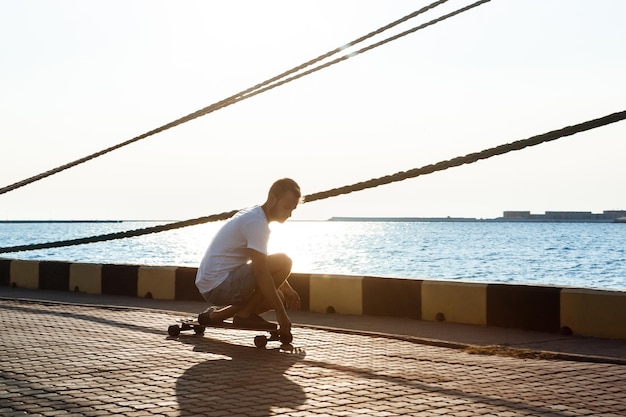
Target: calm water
{"x":564,"y":254}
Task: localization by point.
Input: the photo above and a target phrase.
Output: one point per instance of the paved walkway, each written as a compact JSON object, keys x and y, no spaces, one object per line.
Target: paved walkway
{"x":89,"y":360}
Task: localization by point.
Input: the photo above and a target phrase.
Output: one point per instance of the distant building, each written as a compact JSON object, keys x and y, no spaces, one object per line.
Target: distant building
{"x":516,"y":215}
{"x":606,"y":216}
{"x":614,"y":214}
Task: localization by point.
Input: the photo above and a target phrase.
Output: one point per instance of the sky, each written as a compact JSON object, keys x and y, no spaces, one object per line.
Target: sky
{"x":77,"y":77}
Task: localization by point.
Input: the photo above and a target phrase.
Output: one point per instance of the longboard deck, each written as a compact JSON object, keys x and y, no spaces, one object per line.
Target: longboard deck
{"x":226,"y":324}
{"x":191,"y":323}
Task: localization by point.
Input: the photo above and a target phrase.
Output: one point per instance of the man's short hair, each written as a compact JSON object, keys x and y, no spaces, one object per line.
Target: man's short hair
{"x":283,"y":186}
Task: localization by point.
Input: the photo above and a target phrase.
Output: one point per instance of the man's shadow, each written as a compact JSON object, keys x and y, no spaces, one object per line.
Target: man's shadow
{"x":238,"y":379}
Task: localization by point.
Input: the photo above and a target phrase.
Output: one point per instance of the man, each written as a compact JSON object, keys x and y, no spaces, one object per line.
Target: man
{"x":237,"y":273}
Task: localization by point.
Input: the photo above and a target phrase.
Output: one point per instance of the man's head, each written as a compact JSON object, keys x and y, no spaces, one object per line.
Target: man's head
{"x":282,"y":199}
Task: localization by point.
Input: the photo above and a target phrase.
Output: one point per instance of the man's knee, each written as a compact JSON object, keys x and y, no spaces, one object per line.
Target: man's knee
{"x":280,"y":261}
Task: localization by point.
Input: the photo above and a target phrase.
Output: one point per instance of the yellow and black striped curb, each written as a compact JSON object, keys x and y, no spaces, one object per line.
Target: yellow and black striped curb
{"x":584,"y":312}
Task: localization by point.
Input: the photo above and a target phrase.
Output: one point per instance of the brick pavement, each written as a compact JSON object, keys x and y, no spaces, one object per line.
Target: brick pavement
{"x":77,"y":360}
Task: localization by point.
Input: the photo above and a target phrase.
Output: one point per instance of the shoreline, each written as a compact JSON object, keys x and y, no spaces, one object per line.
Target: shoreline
{"x":465,"y":220}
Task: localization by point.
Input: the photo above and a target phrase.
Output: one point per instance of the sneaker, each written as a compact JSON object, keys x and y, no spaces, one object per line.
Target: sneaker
{"x":255,"y":322}
{"x":204,"y":318}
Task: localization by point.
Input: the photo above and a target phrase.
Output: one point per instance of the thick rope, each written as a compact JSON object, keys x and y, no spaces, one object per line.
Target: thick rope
{"x":472,"y":157}
{"x":358,"y":52}
{"x":121,"y":235}
{"x":400,"y":176}
{"x":245,"y":94}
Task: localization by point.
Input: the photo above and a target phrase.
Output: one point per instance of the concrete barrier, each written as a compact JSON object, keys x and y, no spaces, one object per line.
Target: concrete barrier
{"x":85,"y":278}
{"x":395,"y":297}
{"x":593,"y":313}
{"x":158,"y":282}
{"x":542,"y":308}
{"x":456,"y":302}
{"x":24,"y":274}
{"x":336,"y":294}
{"x":523,"y":306}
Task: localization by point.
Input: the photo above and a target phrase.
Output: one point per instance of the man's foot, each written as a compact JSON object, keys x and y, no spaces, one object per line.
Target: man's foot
{"x":205,"y":319}
{"x":254,"y":321}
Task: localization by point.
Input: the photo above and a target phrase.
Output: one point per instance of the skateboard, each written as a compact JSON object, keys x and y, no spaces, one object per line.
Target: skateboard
{"x":260,"y":341}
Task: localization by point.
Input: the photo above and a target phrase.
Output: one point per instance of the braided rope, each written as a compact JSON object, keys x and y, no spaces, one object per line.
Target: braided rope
{"x":472,"y":157}
{"x":355,"y":53}
{"x":245,"y":94}
{"x":121,"y":235}
{"x":400,"y":176}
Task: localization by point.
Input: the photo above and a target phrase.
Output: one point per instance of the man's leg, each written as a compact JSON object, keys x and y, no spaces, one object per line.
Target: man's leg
{"x":280,"y":268}
{"x":229,"y":297}
{"x":217,"y":315}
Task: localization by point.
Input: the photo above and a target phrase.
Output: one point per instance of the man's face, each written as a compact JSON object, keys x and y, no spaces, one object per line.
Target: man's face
{"x":283,"y":207}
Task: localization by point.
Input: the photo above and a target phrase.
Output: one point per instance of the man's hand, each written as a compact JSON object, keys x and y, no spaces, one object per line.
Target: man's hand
{"x":284,"y":324}
{"x":290,"y":296}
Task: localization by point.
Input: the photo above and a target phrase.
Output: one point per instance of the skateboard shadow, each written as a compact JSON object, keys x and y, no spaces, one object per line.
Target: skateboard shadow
{"x":238,"y":379}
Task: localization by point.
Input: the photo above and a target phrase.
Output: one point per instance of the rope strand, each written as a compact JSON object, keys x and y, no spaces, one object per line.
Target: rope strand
{"x":471,"y":158}
{"x":400,"y":176}
{"x":235,"y":98}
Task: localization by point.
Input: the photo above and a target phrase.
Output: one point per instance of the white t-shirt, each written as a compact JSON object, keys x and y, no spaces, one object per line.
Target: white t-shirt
{"x":227,"y":251}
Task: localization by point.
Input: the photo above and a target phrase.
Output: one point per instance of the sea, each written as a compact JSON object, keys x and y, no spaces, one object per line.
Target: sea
{"x":583,"y":255}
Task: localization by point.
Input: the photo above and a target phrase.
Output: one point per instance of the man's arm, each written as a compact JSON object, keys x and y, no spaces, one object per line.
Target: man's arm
{"x":292,"y":298}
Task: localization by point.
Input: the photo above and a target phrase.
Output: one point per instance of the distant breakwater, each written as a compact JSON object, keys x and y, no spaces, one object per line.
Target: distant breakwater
{"x":61,"y":221}
{"x":607,"y":216}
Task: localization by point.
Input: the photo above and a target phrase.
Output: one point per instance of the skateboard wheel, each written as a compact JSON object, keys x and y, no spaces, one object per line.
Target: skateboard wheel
{"x":199,"y":330}
{"x":260,"y":341}
{"x":173,"y":330}
{"x":286,"y":338}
